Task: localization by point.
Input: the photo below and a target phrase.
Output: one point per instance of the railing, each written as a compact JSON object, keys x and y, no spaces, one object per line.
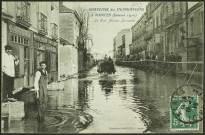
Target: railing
{"x":192,"y":41}
{"x":23,"y":14}
{"x":42,"y":24}
{"x":173,"y":18}
{"x":191,"y":69}
{"x":170,"y":20}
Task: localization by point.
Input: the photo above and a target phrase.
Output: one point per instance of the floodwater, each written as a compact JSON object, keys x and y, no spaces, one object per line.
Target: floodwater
{"x":130,"y":101}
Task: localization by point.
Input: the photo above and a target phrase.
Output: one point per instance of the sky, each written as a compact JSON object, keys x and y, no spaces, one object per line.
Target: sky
{"x":105,"y":28}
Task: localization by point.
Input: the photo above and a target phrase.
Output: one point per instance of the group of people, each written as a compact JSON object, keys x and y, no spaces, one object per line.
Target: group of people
{"x":40,"y":84}
{"x":106,"y":66}
{"x":153,"y":56}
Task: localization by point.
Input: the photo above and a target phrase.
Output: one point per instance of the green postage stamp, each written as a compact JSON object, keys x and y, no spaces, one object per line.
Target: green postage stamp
{"x":186,"y":108}
{"x":184,"y":113}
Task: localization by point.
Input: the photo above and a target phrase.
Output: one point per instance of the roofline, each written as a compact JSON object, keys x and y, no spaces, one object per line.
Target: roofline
{"x":73,"y":12}
{"x":65,"y":42}
{"x":138,"y":20}
{"x":195,"y":7}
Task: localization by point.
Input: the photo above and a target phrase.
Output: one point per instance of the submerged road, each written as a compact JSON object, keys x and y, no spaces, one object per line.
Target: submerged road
{"x":130,"y":101}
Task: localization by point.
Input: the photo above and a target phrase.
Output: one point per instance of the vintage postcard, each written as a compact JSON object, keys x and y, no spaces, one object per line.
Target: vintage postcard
{"x":74,"y":67}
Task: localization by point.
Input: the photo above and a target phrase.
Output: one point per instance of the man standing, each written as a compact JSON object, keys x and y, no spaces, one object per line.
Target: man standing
{"x":40,"y":85}
{"x":8,"y":69}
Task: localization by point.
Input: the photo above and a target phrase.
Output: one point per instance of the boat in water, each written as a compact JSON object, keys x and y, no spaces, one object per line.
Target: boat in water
{"x":106,"y":66}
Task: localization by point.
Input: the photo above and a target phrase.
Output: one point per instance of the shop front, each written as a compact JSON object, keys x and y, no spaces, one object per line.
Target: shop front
{"x":45,"y":49}
{"x":21,"y":41}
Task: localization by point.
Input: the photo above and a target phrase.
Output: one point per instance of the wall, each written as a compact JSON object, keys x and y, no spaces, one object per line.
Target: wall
{"x":10,"y":8}
{"x":128,"y":41}
{"x":66,"y":27}
{"x":198,"y":31}
{"x":65,"y":60}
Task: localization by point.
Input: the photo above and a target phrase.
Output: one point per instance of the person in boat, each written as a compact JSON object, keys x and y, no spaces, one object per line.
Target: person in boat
{"x":99,"y":67}
{"x":111,"y":67}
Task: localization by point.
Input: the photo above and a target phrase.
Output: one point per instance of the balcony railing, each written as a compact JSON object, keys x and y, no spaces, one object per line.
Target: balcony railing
{"x":173,"y":19}
{"x":54,"y":31}
{"x":23,"y":14}
{"x":149,"y":34}
{"x":42,"y":24}
{"x":192,"y":42}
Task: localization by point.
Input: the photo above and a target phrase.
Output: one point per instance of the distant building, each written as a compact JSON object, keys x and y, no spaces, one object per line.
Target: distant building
{"x":98,"y":56}
{"x":32,"y":29}
{"x":114,"y":49}
{"x":121,"y":44}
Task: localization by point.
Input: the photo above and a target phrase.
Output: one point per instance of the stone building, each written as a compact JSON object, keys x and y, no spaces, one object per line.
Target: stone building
{"x":70,"y":24}
{"x":122,"y":41}
{"x":195,"y":32}
{"x":174,"y":21}
{"x":138,"y":37}
{"x":164,"y":30}
{"x":31,"y":28}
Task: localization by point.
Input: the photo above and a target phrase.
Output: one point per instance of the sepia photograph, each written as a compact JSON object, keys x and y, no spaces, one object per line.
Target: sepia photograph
{"x":109,"y":67}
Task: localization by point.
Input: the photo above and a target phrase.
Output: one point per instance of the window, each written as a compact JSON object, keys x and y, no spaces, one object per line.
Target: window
{"x":39,"y":56}
{"x":15,"y":39}
{"x":202,"y":21}
{"x":53,"y":62}
{"x":22,"y":39}
{"x":12,"y":38}
{"x":19,"y":40}
{"x":25,"y":41}
{"x":42,"y":22}
{"x":23,"y":11}
{"x":192,"y":26}
{"x":157,"y":21}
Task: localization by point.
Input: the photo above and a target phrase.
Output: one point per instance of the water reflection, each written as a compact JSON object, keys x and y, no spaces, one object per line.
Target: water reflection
{"x":107,"y":87}
{"x":131,"y":101}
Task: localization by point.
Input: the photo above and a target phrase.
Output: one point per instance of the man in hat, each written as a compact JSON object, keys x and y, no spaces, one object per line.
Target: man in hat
{"x":8,"y":69}
{"x":40,"y":85}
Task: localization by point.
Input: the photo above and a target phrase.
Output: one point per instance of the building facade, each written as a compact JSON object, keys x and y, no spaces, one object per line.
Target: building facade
{"x":69,"y":32}
{"x":195,"y":32}
{"x":120,"y":44}
{"x":138,"y":45}
{"x":33,"y":36}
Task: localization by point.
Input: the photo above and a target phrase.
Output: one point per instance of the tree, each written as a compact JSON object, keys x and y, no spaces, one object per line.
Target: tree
{"x":84,"y":16}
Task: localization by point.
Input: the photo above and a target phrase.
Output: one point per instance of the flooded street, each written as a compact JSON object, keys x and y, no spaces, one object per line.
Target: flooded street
{"x":130,"y":101}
